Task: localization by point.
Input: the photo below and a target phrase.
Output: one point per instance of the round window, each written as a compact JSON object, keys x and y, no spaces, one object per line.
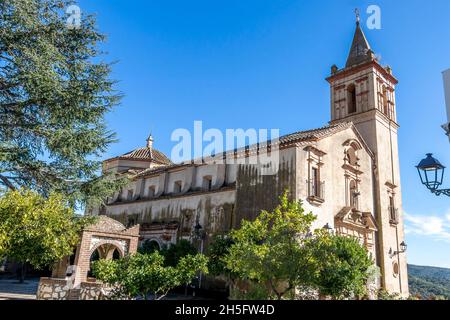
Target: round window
{"x":395,"y":269}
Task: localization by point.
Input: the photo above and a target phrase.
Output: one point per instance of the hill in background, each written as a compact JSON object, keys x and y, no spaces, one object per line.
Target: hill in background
{"x":429,"y":282}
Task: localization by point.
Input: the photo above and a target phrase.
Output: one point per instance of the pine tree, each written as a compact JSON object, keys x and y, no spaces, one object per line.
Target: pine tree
{"x":55,"y":90}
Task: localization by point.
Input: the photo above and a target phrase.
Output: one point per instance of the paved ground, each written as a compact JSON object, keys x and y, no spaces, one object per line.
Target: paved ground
{"x":11,"y":289}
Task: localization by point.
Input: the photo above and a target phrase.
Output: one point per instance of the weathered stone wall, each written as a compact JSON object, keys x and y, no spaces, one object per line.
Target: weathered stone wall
{"x":59,"y":289}
{"x":94,"y":291}
{"x":256,"y":192}
{"x":52,"y":289}
{"x":212,"y":210}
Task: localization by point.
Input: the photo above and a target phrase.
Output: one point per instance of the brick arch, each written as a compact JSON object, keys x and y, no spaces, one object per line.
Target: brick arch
{"x":154,"y":238}
{"x":107,"y":242}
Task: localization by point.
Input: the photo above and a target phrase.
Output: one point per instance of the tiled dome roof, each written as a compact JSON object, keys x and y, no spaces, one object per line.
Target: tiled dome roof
{"x":147,"y":153}
{"x":106,"y":224}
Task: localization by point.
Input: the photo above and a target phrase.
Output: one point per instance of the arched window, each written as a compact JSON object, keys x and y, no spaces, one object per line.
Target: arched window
{"x":385,"y":102}
{"x":207,"y":183}
{"x":151,"y":192}
{"x":177,"y":187}
{"x":351,"y":98}
{"x":95,"y":256}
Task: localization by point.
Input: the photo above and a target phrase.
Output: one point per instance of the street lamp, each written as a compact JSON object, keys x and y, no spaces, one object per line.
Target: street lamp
{"x":403,"y":247}
{"x":200,"y":234}
{"x":328,"y":228}
{"x":431,"y":173}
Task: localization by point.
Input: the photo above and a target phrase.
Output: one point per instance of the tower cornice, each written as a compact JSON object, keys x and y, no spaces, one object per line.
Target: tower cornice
{"x":347,"y":71}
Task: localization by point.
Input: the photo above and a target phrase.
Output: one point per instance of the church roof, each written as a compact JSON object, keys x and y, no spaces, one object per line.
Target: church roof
{"x":315,"y":134}
{"x":147,"y":153}
{"x":360,"y":50}
{"x":299,"y":136}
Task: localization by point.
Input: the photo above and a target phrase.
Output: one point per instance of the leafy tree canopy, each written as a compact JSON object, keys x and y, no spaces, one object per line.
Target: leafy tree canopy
{"x":175,"y":252}
{"x":146,"y":276}
{"x":340,"y":266}
{"x":268,"y":249}
{"x":217,"y":250}
{"x":277,"y":250}
{"x":54,"y":93}
{"x":38,"y":230}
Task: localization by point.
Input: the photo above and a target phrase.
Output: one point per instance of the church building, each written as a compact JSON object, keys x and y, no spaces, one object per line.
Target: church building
{"x":347,"y":173}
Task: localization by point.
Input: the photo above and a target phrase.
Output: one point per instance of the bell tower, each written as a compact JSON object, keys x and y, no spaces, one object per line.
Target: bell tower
{"x":363,"y":92}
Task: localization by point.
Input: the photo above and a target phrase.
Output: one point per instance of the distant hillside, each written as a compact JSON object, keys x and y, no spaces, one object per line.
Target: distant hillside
{"x":429,"y":281}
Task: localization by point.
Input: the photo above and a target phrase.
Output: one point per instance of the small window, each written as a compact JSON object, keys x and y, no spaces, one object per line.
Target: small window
{"x":385,"y":102}
{"x":316,"y":182}
{"x":120,"y":196}
{"x":351,"y":98}
{"x":177,"y":187}
{"x":151,"y":192}
{"x":131,"y":222}
{"x":393,"y":212}
{"x":207,"y":183}
{"x":130,"y":195}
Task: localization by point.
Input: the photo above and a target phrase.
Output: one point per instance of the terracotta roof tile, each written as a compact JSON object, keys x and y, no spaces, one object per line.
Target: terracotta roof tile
{"x":147,"y":153}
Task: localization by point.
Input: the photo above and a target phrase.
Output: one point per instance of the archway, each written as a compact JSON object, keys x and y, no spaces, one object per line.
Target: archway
{"x":107,"y":251}
{"x":150,"y":245}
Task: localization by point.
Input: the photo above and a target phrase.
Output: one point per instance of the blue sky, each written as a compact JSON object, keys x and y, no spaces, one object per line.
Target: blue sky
{"x":262,"y":64}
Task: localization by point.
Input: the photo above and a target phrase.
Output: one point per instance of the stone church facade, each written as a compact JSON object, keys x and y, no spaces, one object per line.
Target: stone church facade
{"x":346,"y":173}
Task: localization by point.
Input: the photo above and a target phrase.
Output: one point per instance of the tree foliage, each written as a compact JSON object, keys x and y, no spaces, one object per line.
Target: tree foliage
{"x":277,"y":251}
{"x":37,"y":230}
{"x":217,"y":250}
{"x":269,"y":249}
{"x":146,"y":275}
{"x":340,"y":266}
{"x":175,"y":252}
{"x":54,"y":93}
{"x":429,"y":282}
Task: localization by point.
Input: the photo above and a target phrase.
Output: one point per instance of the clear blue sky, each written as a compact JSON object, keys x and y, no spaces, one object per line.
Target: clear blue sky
{"x":262,"y":64}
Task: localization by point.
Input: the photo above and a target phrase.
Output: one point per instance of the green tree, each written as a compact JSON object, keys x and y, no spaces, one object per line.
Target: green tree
{"x":269,"y":251}
{"x":37,"y":230}
{"x":175,"y":252}
{"x":278,"y":252}
{"x":54,"y":93}
{"x":341,"y":266}
{"x":218,"y":249}
{"x":146,"y":275}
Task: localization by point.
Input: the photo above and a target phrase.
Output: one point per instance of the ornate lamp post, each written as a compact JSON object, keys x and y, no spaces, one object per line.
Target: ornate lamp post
{"x":403,"y":247}
{"x":431,"y":173}
{"x":200,"y":234}
{"x":328,"y":228}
